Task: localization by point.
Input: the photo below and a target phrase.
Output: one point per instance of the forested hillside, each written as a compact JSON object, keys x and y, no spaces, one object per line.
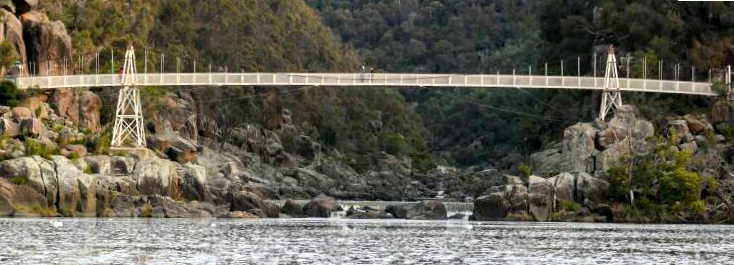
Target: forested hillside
{"x":250,"y":36}
{"x":483,"y":36}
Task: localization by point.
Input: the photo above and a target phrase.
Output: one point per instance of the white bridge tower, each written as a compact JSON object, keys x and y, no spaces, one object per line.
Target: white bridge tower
{"x":612,"y":95}
{"x":128,"y":132}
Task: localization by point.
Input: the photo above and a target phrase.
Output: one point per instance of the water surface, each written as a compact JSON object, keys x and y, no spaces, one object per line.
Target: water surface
{"x":340,"y":241}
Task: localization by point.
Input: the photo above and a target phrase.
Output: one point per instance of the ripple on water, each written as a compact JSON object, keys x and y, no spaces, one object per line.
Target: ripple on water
{"x":338,"y":241}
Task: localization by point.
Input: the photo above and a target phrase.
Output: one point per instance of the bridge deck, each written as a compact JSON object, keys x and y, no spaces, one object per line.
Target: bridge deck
{"x":377,"y":79}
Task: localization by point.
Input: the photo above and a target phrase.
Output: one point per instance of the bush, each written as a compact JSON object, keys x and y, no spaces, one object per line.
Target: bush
{"x":569,"y":206}
{"x":18,"y":180}
{"x":35,"y":147}
{"x":681,"y":186}
{"x":8,"y":93}
{"x":525,"y":170}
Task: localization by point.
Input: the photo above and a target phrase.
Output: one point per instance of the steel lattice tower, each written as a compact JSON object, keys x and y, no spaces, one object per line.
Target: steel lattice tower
{"x":128,"y":132}
{"x":612,"y":95}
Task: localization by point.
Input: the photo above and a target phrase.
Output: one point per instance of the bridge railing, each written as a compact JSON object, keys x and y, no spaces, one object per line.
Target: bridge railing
{"x":364,"y":79}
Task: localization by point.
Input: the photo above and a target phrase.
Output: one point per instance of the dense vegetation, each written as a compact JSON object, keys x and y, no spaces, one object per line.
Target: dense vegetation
{"x":250,"y":36}
{"x":482,"y":36}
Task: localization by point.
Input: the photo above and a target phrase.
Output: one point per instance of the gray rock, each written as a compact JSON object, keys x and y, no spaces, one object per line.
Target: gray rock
{"x":193,"y":183}
{"x":50,"y":40}
{"x":9,"y":128}
{"x":501,"y":201}
{"x":427,"y":210}
{"x":370,"y":215}
{"x":292,"y":208}
{"x":540,"y":198}
{"x":564,"y":186}
{"x":579,"y":147}
{"x":249,"y":201}
{"x":321,"y":206}
{"x":154,"y":175}
{"x":547,"y":162}
{"x":19,"y":201}
{"x":590,"y":191}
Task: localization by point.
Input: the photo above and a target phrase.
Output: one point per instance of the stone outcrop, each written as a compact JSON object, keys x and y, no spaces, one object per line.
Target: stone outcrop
{"x":539,"y":197}
{"x":45,"y":40}
{"x":427,"y":210}
{"x":19,"y":200}
{"x":11,"y":30}
{"x":321,"y":206}
{"x":595,"y":147}
{"x":81,"y":107}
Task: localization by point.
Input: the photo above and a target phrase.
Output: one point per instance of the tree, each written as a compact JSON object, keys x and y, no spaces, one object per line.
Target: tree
{"x":8,"y":93}
{"x":8,"y":55}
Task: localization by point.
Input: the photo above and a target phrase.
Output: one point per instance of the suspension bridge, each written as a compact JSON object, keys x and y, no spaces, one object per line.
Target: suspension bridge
{"x":128,"y":130}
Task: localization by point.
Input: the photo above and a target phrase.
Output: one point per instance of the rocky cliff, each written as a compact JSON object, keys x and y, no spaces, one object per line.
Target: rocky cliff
{"x":41,"y":45}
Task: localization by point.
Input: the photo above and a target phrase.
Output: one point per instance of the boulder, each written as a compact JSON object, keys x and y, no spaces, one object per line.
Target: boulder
{"x":610,"y":136}
{"x":179,"y":209}
{"x":193,"y":182}
{"x":21,"y":201}
{"x":24,"y":6}
{"x":9,"y":128}
{"x":32,"y":127}
{"x":21,"y":113}
{"x":579,"y":147}
{"x":694,"y":125}
{"x":9,"y":6}
{"x":427,"y":210}
{"x":155,"y":176}
{"x":81,"y":107}
{"x":177,"y":148}
{"x":321,"y":206}
{"x":610,"y":157}
{"x":679,"y":130}
{"x":12,"y":30}
{"x":249,"y":201}
{"x":38,"y":173}
{"x":292,"y":208}
{"x":490,"y":207}
{"x":398,"y":210}
{"x":564,"y":186}
{"x":115,"y":165}
{"x":500,"y":201}
{"x":76,"y":150}
{"x":721,"y":112}
{"x":691,"y":146}
{"x":540,"y":198}
{"x":547,"y":162}
{"x":45,"y":40}
{"x":589,"y":191}
{"x":370,"y":215}
{"x":242,"y":215}
{"x":116,"y":204}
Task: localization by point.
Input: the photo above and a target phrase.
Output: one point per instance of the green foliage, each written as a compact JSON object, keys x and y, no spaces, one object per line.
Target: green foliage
{"x":18,"y":180}
{"x":8,"y":93}
{"x":35,"y":147}
{"x":666,"y":167}
{"x":525,"y":170}
{"x":569,"y":206}
{"x":8,"y":55}
{"x":680,"y":186}
{"x":99,"y":144}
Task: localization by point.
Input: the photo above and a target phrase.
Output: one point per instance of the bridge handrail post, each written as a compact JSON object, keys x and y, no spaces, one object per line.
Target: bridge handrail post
{"x":546,"y":74}
{"x":530,"y":74}
{"x":514,"y":78}
{"x":498,"y":77}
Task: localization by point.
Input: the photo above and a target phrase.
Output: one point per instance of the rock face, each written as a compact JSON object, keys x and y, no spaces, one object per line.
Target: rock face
{"x":321,"y":206}
{"x":500,"y":201}
{"x":81,"y":107}
{"x":579,"y":147}
{"x":595,"y":147}
{"x":20,"y":200}
{"x":12,"y":31}
{"x":427,"y":210}
{"x":45,"y":41}
{"x":292,"y":208}
{"x":539,"y":197}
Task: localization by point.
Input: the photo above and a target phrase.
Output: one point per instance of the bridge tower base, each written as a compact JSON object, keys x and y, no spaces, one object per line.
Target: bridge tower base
{"x":612,"y":96}
{"x":128,"y":132}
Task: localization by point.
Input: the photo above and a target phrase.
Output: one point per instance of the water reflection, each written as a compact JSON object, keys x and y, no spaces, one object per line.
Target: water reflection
{"x":337,"y":241}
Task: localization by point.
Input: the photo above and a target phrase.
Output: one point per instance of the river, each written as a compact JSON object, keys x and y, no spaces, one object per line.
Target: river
{"x":341,"y":241}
